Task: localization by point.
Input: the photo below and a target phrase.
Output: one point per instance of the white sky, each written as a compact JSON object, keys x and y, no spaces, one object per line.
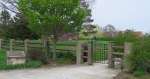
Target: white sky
{"x":123,"y":14}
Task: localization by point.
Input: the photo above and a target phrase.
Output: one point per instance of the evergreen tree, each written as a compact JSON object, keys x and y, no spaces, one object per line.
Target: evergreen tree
{"x":5,"y":22}
{"x":19,"y":29}
{"x":15,"y":27}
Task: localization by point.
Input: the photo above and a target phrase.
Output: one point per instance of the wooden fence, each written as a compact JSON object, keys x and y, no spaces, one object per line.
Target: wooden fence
{"x":19,"y":45}
{"x":98,"y":51}
{"x":118,"y":53}
{"x":26,"y":45}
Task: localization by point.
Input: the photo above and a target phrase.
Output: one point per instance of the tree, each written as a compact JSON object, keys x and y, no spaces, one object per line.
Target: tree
{"x":5,"y":17}
{"x":19,"y":29}
{"x":53,"y":17}
{"x":126,"y":36}
{"x":109,"y":30}
{"x":88,"y":28}
{"x":47,"y":17}
{"x":10,"y":5}
{"x":5,"y":21}
{"x":89,"y":31}
{"x":15,"y":27}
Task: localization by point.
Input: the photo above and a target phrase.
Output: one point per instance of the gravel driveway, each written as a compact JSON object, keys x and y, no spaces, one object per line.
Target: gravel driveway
{"x":97,"y":71}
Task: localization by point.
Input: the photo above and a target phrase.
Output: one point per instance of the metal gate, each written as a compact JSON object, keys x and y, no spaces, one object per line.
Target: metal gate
{"x":100,"y":51}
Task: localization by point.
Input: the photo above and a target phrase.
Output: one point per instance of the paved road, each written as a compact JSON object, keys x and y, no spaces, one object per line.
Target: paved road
{"x":97,"y":71}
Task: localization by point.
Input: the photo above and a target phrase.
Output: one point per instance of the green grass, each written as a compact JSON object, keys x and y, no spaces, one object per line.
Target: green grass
{"x":2,"y":57}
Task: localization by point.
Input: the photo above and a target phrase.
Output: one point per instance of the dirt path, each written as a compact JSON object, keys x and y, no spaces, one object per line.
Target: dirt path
{"x":97,"y":71}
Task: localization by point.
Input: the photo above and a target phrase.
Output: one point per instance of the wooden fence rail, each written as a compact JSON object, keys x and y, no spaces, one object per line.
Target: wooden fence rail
{"x":112,"y":54}
{"x":26,"y":45}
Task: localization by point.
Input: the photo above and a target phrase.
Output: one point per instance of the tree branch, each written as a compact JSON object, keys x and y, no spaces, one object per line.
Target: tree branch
{"x":11,"y":3}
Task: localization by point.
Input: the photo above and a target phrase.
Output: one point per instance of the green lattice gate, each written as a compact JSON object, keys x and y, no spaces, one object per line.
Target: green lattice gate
{"x":100,"y":51}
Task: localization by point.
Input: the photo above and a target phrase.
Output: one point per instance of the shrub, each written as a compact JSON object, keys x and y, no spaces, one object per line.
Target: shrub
{"x":65,"y":58}
{"x":139,"y":59}
{"x":128,"y":36}
{"x":2,"y":57}
{"x":33,"y":64}
{"x":62,"y":61}
{"x":36,"y":55}
{"x":139,"y":72}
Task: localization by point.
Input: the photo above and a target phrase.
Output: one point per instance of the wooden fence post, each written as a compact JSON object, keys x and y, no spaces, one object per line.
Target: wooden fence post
{"x":26,"y":48}
{"x":127,"y":51}
{"x":78,"y":53}
{"x":26,"y":45}
{"x":54,"y":52}
{"x":0,"y":43}
{"x":11,"y":45}
{"x":110,"y":56}
{"x":45,"y":49}
{"x":90,"y":52}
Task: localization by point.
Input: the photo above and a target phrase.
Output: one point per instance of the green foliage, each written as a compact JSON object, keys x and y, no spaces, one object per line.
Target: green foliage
{"x":128,"y":36}
{"x":89,"y":31}
{"x":5,"y":22}
{"x":19,"y":29}
{"x":53,"y":17}
{"x":2,"y":57}
{"x":122,"y":37}
{"x":33,"y":64}
{"x":15,"y":28}
{"x":65,"y":57}
{"x":139,"y":59}
{"x":139,"y":72}
{"x":64,"y":61}
{"x":5,"y":17}
{"x":35,"y":54}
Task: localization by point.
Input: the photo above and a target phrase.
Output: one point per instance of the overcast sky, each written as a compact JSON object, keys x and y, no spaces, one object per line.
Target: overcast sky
{"x":123,"y":14}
